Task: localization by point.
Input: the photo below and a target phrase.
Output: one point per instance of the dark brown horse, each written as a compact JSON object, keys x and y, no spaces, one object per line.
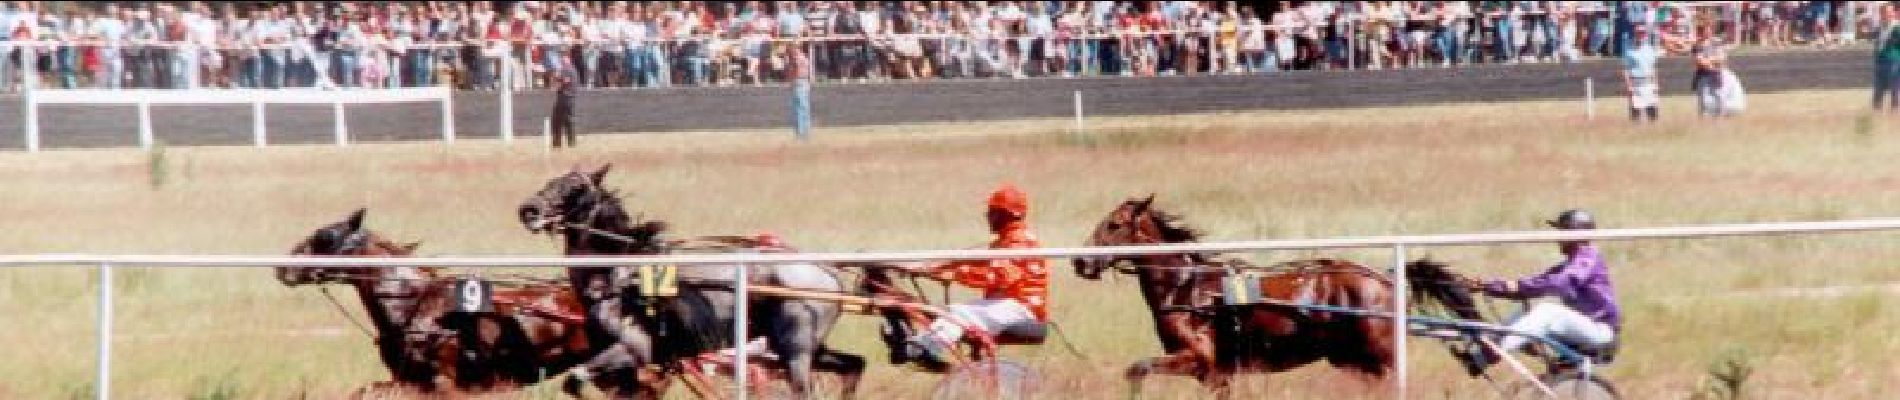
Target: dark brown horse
{"x":1210,"y":341}
{"x":534,"y":332}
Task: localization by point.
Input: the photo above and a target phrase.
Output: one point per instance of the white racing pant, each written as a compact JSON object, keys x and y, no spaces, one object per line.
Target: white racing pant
{"x":989,"y":315}
{"x":1559,"y":322}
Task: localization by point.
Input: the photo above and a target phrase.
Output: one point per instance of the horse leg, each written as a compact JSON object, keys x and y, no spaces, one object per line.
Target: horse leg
{"x":792,"y":337}
{"x":849,"y":367}
{"x":1220,"y":381}
{"x":1182,"y":363}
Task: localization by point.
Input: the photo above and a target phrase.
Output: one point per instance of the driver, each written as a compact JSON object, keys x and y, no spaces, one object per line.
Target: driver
{"x":1014,"y":305}
{"x":1587,"y":317}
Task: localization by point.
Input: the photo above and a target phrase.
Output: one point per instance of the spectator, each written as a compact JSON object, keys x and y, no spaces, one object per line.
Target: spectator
{"x":1887,"y":61}
{"x":799,"y":72}
{"x":561,"y":120}
{"x":1639,"y":75}
{"x":1712,"y":77}
{"x":656,"y":43}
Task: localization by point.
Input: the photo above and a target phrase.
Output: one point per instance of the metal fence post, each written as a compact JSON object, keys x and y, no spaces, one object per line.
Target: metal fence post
{"x":342,"y":129}
{"x":1078,"y":112}
{"x":448,"y":115}
{"x":257,"y":124}
{"x":31,"y":122}
{"x":739,"y":335}
{"x":507,"y":107}
{"x":1589,"y":98}
{"x":103,"y":387}
{"x":1399,"y":331}
{"x":145,"y":125}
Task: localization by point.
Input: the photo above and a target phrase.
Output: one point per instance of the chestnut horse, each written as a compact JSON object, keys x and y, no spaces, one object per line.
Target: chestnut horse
{"x":1211,"y":341}
{"x":423,"y":341}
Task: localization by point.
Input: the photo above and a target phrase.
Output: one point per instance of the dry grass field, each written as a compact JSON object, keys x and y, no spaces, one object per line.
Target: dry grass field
{"x":1813,"y":316}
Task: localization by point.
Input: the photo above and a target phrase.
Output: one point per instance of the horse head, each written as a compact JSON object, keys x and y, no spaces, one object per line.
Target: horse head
{"x":577,"y":202}
{"x":1134,"y":222}
{"x":345,"y":238}
{"x":572,"y":198}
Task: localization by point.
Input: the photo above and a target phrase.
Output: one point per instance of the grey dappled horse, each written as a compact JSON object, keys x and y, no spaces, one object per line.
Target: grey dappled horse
{"x":592,"y":221}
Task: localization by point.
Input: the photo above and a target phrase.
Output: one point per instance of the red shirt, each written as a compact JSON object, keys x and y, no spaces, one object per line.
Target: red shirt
{"x":1025,"y":279}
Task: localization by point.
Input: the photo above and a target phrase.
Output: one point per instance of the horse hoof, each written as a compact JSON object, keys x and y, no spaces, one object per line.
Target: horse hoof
{"x":1138,"y":371}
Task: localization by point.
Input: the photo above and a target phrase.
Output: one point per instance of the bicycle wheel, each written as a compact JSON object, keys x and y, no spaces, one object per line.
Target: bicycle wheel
{"x":994,"y":379}
{"x":1568,"y":385}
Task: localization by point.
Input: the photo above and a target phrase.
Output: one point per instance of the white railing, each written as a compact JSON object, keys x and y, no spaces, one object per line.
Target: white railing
{"x":144,"y":99}
{"x":1398,"y":244}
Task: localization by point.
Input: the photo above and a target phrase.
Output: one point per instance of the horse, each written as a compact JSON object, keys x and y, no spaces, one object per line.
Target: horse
{"x":591,"y":220}
{"x":1212,"y":342}
{"x":422,"y":341}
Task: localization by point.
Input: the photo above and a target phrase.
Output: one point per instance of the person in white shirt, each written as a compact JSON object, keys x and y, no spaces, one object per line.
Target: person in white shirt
{"x":1254,"y":57}
{"x":109,"y":30}
{"x":202,"y":33}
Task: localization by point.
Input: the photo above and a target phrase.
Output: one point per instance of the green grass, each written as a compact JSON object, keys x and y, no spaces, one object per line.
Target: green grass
{"x":211,"y":333}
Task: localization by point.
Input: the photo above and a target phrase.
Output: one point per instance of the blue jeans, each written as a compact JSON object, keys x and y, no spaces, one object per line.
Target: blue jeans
{"x":1446,"y":43}
{"x":1542,"y":27}
{"x":419,"y":66}
{"x":634,"y":65}
{"x":182,"y":68}
{"x":272,"y":73}
{"x":696,"y":66}
{"x":68,"y":67}
{"x":1886,"y":83}
{"x":659,"y":70}
{"x":551,"y":60}
{"x":590,"y":67}
{"x":345,"y":68}
{"x":483,"y":72}
{"x":1505,"y":44}
{"x":801,"y":108}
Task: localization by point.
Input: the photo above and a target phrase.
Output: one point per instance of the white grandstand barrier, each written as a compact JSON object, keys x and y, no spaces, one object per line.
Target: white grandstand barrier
{"x":143,"y":99}
{"x":1398,"y":244}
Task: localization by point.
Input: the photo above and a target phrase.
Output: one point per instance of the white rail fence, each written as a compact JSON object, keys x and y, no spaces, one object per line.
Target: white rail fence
{"x":144,"y":99}
{"x":1398,"y":244}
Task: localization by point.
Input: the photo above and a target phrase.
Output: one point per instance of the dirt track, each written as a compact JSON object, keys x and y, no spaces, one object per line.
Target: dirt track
{"x":873,"y":104}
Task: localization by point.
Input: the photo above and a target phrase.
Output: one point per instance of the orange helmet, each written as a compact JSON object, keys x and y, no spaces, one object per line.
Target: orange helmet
{"x":1009,"y":198}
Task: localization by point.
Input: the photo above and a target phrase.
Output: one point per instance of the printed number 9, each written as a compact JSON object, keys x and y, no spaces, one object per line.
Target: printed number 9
{"x":471,"y":296}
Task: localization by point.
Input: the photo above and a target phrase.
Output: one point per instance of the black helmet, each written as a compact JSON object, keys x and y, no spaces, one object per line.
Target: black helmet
{"x":1573,"y":219}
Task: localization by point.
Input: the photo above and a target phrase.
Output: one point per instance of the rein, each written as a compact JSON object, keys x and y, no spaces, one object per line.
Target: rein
{"x":346,"y":313}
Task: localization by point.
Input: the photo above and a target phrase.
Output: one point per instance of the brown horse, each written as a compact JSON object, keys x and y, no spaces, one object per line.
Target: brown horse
{"x":1211,"y":341}
{"x":535,"y":330}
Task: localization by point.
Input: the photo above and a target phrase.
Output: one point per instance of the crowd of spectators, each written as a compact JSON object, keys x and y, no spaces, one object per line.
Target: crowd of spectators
{"x":481,"y":45}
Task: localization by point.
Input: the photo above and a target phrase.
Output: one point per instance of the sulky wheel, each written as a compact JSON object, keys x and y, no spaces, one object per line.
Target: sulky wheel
{"x":1568,"y":385}
{"x":995,"y":379}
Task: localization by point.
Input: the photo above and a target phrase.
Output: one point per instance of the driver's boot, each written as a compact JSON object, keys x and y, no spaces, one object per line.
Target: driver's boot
{"x":928,"y":353}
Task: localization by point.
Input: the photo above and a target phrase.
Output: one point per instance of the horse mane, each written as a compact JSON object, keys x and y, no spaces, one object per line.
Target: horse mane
{"x":1433,"y":280}
{"x":613,"y":217}
{"x":400,"y":249}
{"x":1172,"y":229}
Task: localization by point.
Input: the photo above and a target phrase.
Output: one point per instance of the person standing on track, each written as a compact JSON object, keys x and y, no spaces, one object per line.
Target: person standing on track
{"x":561,"y":120}
{"x":1639,"y":75}
{"x":1587,"y":317}
{"x":1887,"y":60}
{"x":1014,"y":307}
